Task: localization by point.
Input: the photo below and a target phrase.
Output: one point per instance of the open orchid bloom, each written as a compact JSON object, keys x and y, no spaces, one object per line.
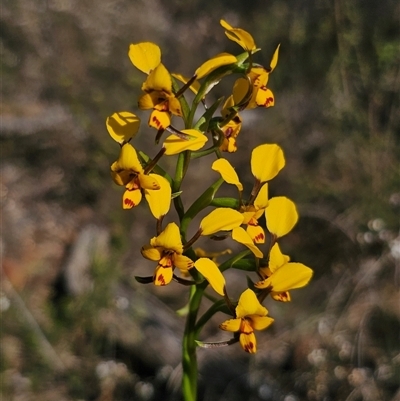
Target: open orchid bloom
{"x":250,"y":316}
{"x":127,"y":171}
{"x":282,"y":275}
{"x":159,"y":97}
{"x":258,"y":77}
{"x":167,"y":250}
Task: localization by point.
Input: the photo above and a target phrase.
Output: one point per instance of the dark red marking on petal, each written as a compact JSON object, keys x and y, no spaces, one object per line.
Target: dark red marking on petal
{"x":269,"y":101}
{"x":249,"y":347}
{"x":156,"y":121}
{"x":129,"y":202}
{"x":161,"y":279}
{"x":228,"y":132}
{"x":259,"y":237}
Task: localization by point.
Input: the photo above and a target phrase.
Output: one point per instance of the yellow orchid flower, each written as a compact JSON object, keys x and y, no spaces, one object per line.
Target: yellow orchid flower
{"x":127,"y":171}
{"x":251,"y":213}
{"x":282,"y":275}
{"x":167,"y":249}
{"x":240,"y":36}
{"x":261,"y":95}
{"x":159,"y":97}
{"x":250,"y":316}
{"x":122,"y":126}
{"x":174,"y":144}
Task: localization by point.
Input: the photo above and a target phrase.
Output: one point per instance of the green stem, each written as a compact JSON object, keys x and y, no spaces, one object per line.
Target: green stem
{"x":189,"y":357}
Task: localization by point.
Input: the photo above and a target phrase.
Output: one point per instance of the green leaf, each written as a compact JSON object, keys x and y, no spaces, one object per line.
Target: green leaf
{"x":233,"y":203}
{"x":245,"y":264}
{"x":227,"y":264}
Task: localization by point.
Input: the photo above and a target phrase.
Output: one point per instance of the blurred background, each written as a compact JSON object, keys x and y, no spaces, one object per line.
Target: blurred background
{"x":75,"y":325}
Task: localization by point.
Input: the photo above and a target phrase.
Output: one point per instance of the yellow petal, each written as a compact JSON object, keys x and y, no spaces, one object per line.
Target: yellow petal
{"x":149,"y":182}
{"x":174,"y":106}
{"x":248,"y":342}
{"x":145,"y":56}
{"x":260,"y":322}
{"x":120,"y":177}
{"x":231,"y":325}
{"x":149,"y":100}
{"x":260,"y":79}
{"x":240,"y":36}
{"x":122,"y":126}
{"x":261,"y":201}
{"x":151,"y":253}
{"x":211,"y":273}
{"x":158,"y":80}
{"x":194,"y":87}
{"x":159,"y":200}
{"x":274,"y":60}
{"x":266,"y":161}
{"x":229,"y":145}
{"x":256,"y":233}
{"x":288,"y":277}
{"x":163,"y":275}
{"x":240,"y":235}
{"x":276,"y":258}
{"x":265,"y":97}
{"x":225,"y":24}
{"x":131,"y":199}
{"x":182,"y":262}
{"x":227,"y":172}
{"x":170,"y":239}
{"x":281,"y":215}
{"x":224,"y":219}
{"x":175,"y":144}
{"x":250,"y":305}
{"x":128,"y":159}
{"x":240,"y":89}
{"x":213,"y":63}
{"x":159,"y":120}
